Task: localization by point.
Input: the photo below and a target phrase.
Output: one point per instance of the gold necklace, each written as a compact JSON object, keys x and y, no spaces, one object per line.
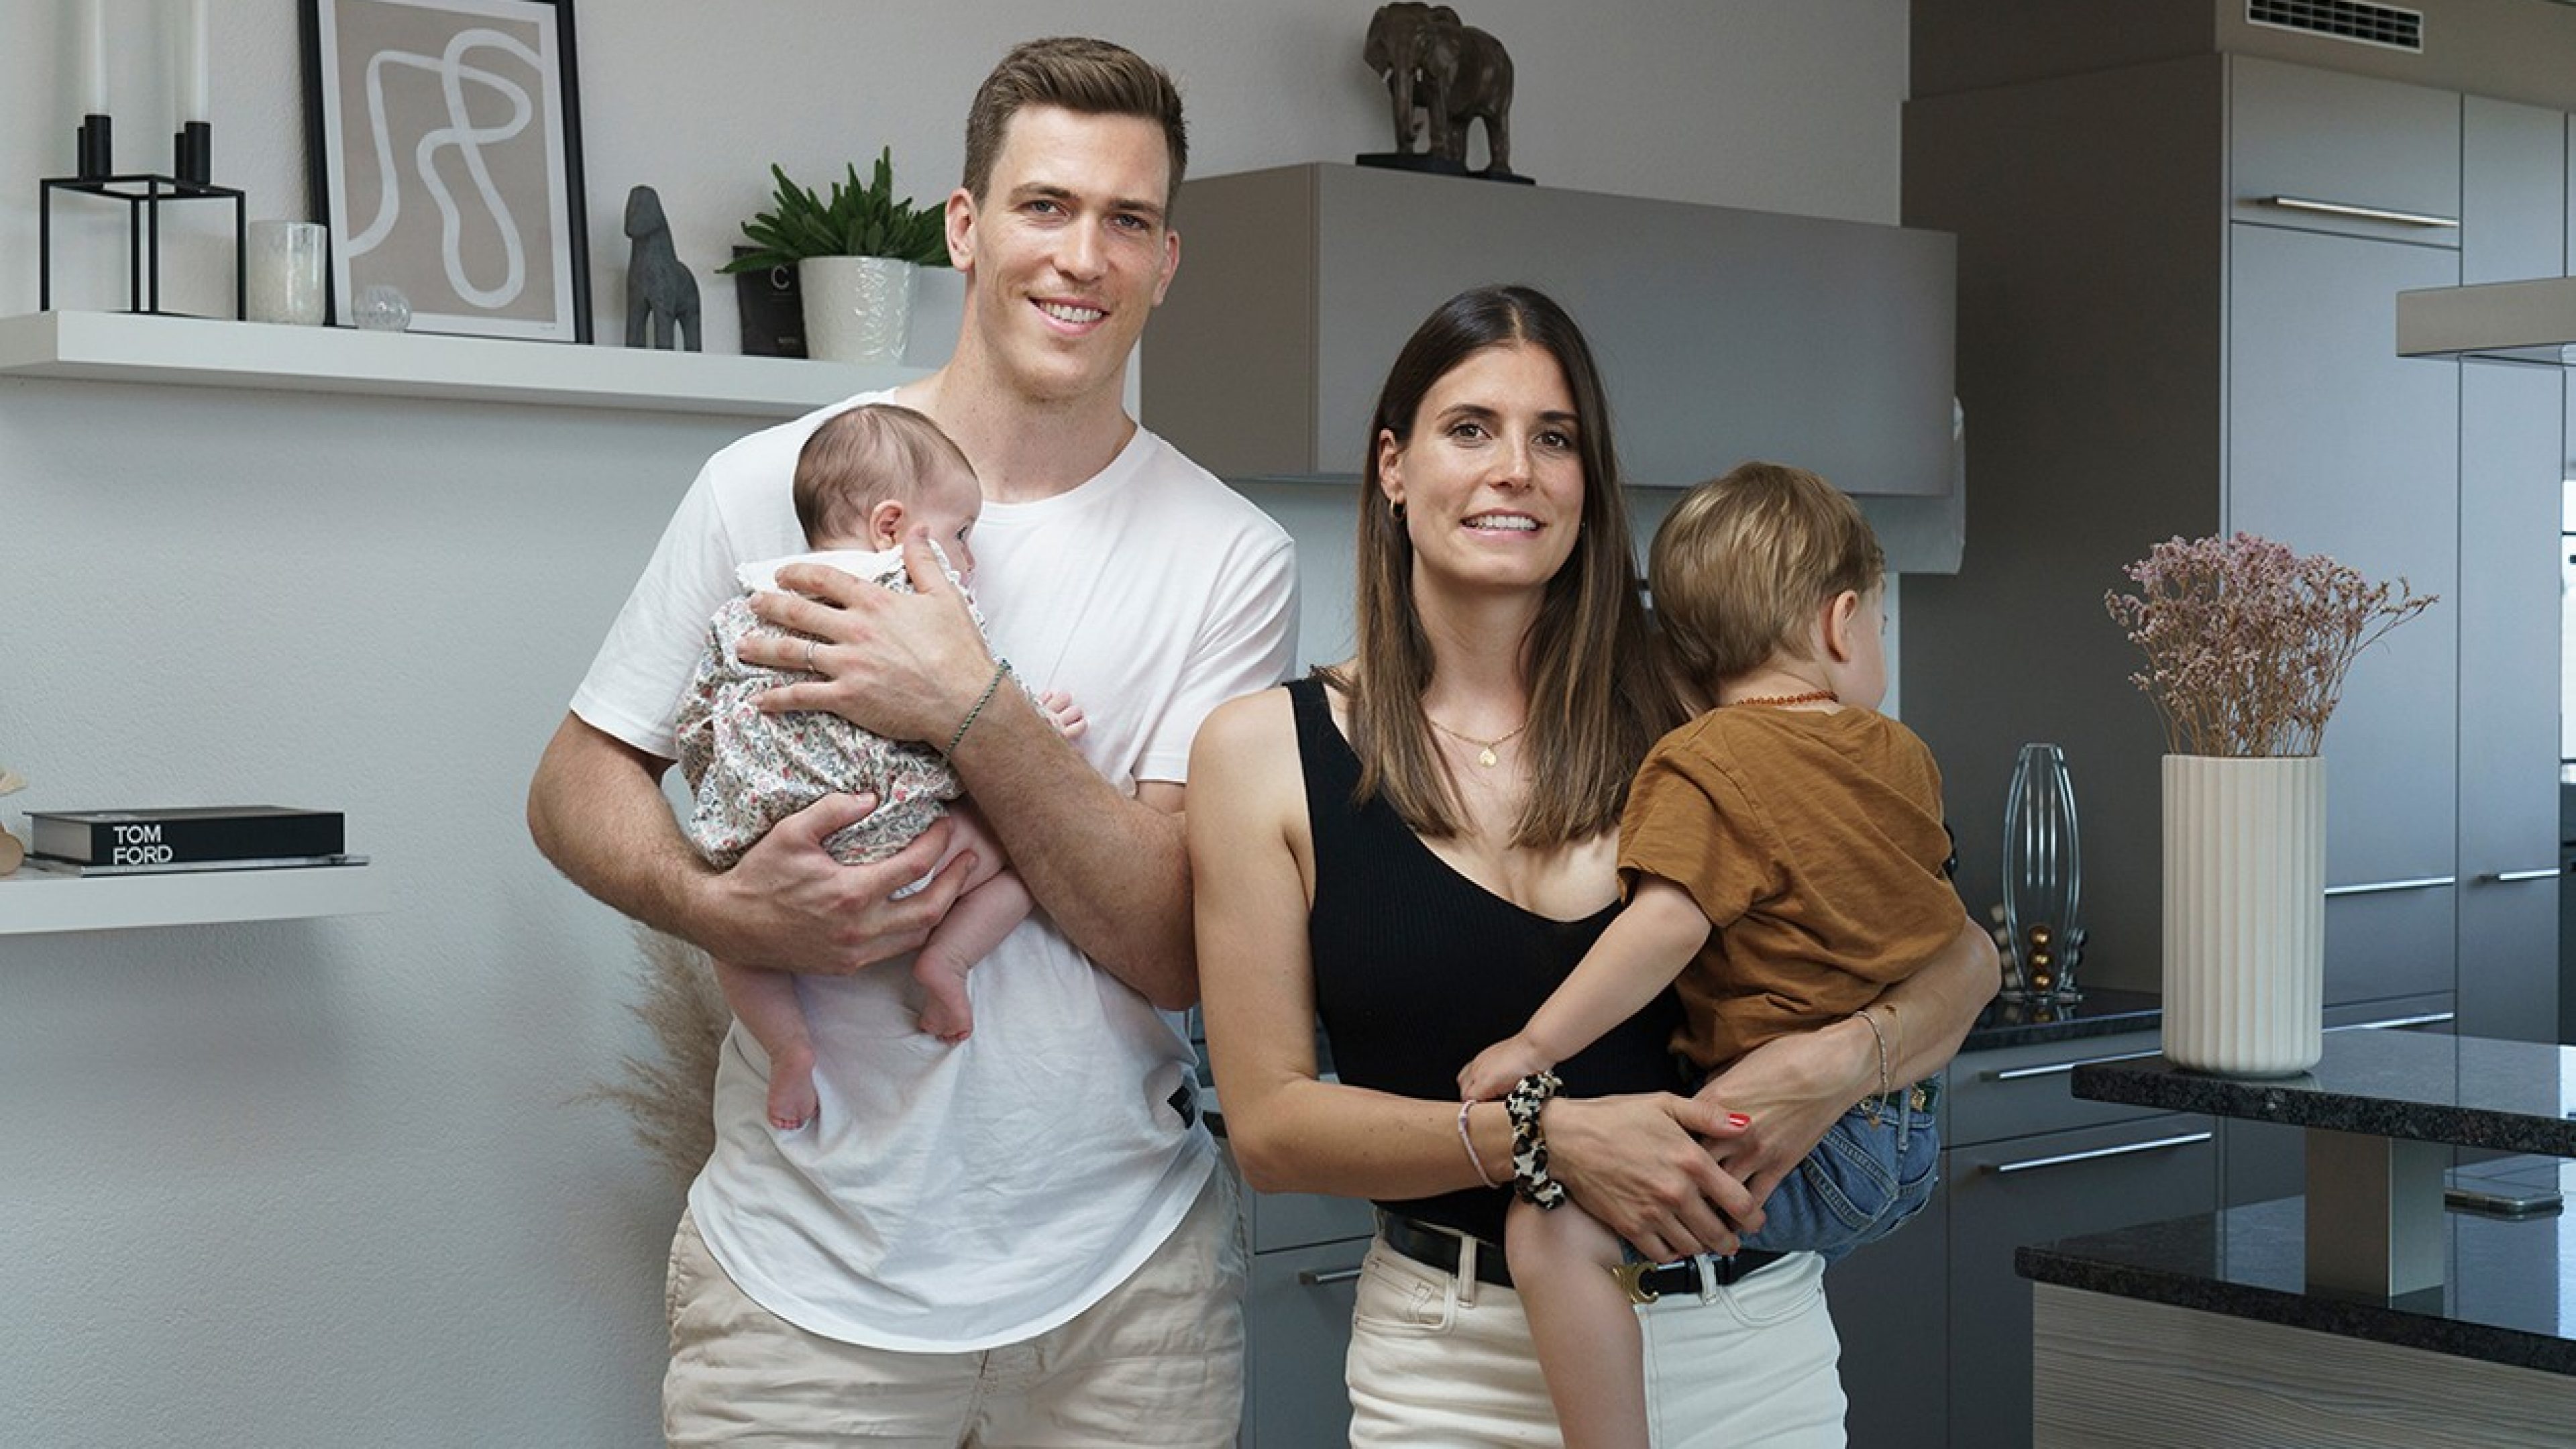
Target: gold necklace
{"x":1485,"y":748}
{"x":1813,"y":696}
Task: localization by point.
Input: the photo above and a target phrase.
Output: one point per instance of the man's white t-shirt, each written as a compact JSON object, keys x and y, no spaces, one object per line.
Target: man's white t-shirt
{"x":952,"y":1198}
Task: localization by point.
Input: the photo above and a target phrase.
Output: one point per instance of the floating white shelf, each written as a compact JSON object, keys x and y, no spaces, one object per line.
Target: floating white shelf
{"x":200,"y":352}
{"x":32,"y":902}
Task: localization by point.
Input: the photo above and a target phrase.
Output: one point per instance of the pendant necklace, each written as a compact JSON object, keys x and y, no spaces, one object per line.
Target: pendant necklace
{"x":1485,"y":755}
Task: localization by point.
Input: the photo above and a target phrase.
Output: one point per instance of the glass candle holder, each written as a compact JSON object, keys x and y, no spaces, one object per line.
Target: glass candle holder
{"x":284,"y":274}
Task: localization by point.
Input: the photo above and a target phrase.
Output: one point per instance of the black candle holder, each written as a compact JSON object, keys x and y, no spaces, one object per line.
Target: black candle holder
{"x":192,"y":153}
{"x":143,"y":195}
{"x":94,"y":148}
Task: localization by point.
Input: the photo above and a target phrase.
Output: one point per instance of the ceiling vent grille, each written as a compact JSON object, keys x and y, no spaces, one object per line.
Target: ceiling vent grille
{"x":2344,"y":20}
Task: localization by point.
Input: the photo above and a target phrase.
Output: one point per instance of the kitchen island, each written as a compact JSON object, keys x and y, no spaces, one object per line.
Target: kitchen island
{"x":2250,"y":1325}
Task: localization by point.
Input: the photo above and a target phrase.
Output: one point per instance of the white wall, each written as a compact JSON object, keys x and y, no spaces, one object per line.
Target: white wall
{"x":320,"y":1182}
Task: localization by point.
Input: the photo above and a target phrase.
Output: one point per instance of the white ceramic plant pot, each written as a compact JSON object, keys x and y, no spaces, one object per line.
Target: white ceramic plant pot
{"x":857,"y":309}
{"x":2245,"y":923}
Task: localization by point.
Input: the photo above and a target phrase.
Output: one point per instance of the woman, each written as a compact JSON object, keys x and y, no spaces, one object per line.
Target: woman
{"x":1418,"y":844}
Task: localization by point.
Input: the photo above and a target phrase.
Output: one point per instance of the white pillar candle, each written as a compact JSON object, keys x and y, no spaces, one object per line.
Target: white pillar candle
{"x":93,"y":57}
{"x":196,"y":92}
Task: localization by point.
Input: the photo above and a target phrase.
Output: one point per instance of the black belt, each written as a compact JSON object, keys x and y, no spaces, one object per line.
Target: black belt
{"x":1435,"y":1248}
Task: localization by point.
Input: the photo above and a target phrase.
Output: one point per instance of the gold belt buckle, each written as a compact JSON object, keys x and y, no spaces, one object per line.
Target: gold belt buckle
{"x":1632,"y":1278}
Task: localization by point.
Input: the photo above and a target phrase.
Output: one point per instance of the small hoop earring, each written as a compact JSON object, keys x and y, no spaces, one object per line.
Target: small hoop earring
{"x":1396,"y":507}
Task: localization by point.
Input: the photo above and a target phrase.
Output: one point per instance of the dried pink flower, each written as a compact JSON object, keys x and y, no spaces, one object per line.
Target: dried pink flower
{"x":2247,"y":643}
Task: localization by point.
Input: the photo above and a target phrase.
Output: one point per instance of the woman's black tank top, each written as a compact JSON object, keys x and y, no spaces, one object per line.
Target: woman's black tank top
{"x":1418,"y":968}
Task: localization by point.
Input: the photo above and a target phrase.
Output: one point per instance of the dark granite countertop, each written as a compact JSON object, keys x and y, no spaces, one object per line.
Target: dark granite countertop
{"x":2510,"y":1298}
{"x":2102,"y":1012}
{"x":2509,"y":1095}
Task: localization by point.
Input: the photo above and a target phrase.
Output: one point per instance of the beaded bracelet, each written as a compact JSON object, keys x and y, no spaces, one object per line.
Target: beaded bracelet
{"x":1523,"y":1104}
{"x":1468,"y":1140}
{"x":1000,"y":668}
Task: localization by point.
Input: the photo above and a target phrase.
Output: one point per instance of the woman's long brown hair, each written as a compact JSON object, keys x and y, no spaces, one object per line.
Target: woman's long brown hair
{"x":1598,"y":700}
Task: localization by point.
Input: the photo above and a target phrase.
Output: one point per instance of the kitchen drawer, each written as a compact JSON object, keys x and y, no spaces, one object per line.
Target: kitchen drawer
{"x":1297,"y":1328}
{"x":1299,"y":1219}
{"x":2015,"y":1091}
{"x":2039,"y":1189}
{"x":2390,"y":943}
{"x":2330,"y":140}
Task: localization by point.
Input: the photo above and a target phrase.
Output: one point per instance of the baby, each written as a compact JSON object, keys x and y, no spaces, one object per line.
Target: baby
{"x":1785,"y":863}
{"x":866,"y":479}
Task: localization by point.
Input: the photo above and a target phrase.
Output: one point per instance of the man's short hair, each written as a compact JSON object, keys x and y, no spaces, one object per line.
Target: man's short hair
{"x":862,"y":456}
{"x":1089,"y":77}
{"x":1741,"y":565}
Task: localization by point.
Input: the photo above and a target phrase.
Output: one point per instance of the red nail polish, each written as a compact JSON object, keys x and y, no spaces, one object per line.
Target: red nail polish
{"x":1738,"y":1119}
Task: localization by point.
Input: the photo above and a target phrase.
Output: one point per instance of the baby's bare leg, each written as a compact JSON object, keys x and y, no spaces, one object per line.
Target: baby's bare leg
{"x":766,"y":1004}
{"x":974,"y":926}
{"x":1585,"y":1329}
{"x":994,"y":902}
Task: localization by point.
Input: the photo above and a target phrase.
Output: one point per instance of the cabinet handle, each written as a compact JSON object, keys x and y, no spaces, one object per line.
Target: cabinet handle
{"x":2510,"y":877}
{"x":2051,"y":1069}
{"x":1319,"y":1277}
{"x":2394,"y":1023}
{"x":2366,"y":213}
{"x":2382,"y":887}
{"x":2159,"y":1145}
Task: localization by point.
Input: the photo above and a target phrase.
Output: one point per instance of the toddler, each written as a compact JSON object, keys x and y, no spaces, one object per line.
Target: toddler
{"x":866,"y":479}
{"x":1785,"y":862}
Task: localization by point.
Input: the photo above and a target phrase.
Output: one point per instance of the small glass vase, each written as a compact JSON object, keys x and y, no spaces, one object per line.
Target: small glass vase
{"x":2043,"y":879}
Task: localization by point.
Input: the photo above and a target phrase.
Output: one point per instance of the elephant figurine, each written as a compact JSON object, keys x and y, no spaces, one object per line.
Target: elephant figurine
{"x":1452,"y":72}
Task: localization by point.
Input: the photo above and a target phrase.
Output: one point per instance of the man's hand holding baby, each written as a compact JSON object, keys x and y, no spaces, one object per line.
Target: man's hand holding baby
{"x":923,"y":661}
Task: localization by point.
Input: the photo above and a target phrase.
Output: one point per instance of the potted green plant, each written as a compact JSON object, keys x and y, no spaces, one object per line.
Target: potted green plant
{"x":854,"y":251}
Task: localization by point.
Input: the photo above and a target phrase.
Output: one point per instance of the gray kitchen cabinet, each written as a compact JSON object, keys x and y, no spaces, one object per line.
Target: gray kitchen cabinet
{"x":2153,"y":344}
{"x":1890,"y":1303}
{"x":1935,"y":1323}
{"x":2323,"y":151}
{"x":2033,"y":1189}
{"x":2342,"y":447}
{"x":1297,"y":1327}
{"x":2514,"y":203}
{"x":1832,"y":339}
{"x":1297,"y":1316}
{"x":1306,"y":1251}
{"x":2029,"y":1162}
{"x":2512,"y":420}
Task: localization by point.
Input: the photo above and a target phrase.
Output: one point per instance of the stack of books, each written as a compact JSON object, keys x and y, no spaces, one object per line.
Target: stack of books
{"x":212,"y":837}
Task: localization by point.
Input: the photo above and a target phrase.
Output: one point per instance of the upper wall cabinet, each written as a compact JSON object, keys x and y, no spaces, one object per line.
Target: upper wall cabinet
{"x":1722,"y":334}
{"x":2322,"y":151}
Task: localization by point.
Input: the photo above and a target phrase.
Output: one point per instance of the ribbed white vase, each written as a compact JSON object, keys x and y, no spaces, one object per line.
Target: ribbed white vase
{"x":857,"y":309}
{"x":2245,"y":914}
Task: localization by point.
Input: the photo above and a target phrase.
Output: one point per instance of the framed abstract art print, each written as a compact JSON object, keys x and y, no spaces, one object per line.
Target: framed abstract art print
{"x":446,"y":150}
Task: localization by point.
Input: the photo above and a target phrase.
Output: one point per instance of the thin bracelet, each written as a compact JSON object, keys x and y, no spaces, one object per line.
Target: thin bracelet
{"x":1469,"y":1140}
{"x":1000,"y":668}
{"x":1884,"y":1085}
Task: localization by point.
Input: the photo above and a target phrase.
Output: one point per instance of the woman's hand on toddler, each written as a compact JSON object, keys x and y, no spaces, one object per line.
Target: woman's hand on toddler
{"x":1063,"y":713}
{"x":1497,"y":1067}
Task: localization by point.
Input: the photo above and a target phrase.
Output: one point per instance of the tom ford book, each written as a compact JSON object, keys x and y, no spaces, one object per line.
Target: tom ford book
{"x":186,"y":836}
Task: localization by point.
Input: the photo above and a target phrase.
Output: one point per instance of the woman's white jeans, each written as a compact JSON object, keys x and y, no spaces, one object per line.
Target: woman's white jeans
{"x":1442,"y":1362}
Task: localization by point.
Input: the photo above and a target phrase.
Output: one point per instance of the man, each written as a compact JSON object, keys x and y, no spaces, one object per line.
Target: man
{"x":1024,"y":1238}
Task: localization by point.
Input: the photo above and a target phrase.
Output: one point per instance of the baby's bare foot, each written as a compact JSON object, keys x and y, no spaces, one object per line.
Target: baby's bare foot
{"x":792,"y":1103}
